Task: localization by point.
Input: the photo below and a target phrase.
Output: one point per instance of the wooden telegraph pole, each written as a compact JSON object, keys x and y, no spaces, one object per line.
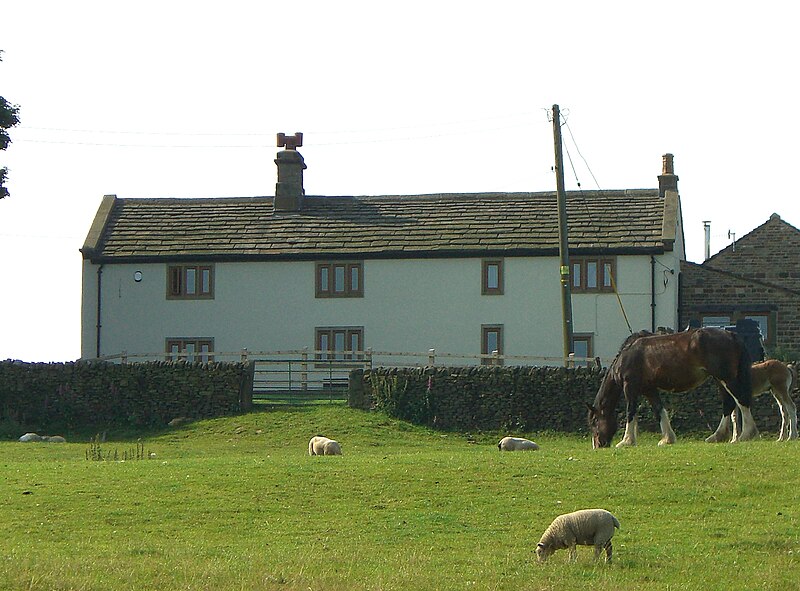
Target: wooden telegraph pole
{"x":563,"y":242}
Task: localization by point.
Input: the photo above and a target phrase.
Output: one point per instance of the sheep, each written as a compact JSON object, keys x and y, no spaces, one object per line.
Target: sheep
{"x":29,"y":437}
{"x":587,"y":527}
{"x":33,"y":437}
{"x":516,"y":444}
{"x":322,"y":446}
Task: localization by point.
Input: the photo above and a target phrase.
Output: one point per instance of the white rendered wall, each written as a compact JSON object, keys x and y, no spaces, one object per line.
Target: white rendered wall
{"x":408,"y":306}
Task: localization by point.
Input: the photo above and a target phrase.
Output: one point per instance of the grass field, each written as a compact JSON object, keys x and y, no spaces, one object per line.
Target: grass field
{"x":235,"y":503}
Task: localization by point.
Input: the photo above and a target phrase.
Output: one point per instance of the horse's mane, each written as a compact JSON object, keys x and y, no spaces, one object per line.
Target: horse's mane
{"x":632,"y":339}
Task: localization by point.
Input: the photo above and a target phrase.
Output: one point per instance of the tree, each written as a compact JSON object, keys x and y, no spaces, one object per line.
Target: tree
{"x":9,"y":117}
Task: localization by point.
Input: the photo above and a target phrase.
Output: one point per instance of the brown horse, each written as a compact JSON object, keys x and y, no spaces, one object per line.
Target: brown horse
{"x":678,"y":362}
{"x":780,"y":379}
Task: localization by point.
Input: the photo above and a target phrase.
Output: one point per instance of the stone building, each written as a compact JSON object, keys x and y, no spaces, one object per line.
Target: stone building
{"x":756,"y":277}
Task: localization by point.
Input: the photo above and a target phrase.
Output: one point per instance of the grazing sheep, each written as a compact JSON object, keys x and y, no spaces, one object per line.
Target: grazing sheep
{"x":516,"y":444}
{"x":587,"y":527}
{"x":322,"y":446}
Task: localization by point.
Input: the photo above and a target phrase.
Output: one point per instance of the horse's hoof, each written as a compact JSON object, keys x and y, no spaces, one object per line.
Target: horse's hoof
{"x":666,"y":442}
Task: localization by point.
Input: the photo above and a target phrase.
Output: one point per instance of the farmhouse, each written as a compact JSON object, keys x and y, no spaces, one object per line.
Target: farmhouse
{"x":756,"y":277}
{"x":462,"y":273}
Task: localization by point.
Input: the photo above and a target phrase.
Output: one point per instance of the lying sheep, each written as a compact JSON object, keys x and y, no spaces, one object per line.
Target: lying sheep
{"x":33,"y":437}
{"x":516,"y":444}
{"x":322,"y":446}
{"x":587,"y":527}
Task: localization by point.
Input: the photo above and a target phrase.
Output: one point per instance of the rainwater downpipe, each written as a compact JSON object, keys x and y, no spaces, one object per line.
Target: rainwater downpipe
{"x":652,"y":293}
{"x":99,"y":305}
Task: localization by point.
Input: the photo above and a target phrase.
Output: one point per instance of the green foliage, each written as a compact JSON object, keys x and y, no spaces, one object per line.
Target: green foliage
{"x":236,"y":503}
{"x":9,"y":117}
{"x":97,"y":453}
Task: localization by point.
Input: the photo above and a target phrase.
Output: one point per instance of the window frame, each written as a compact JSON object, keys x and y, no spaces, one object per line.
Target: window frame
{"x":603,"y":282}
{"x":347,"y":354}
{"x":329,"y":269}
{"x":768,"y":339}
{"x":205,"y":356}
{"x":485,"y":288}
{"x":486,"y":329}
{"x":587,"y":338}
{"x":177,"y":282}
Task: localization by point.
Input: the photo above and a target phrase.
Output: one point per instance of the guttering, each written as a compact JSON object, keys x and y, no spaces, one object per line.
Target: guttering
{"x":652,"y":293}
{"x":99,"y":306}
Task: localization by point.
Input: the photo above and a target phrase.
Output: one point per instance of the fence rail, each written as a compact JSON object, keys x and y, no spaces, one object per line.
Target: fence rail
{"x":301,"y":375}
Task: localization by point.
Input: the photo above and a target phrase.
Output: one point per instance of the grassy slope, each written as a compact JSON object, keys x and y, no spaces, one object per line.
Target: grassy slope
{"x":236,"y":503}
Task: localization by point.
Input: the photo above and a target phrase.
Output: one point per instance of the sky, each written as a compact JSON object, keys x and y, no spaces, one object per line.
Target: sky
{"x":184,"y":99}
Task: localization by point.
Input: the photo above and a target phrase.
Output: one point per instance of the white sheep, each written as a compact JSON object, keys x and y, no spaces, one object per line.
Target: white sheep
{"x":516,"y":444}
{"x":587,"y":527}
{"x":322,"y":446}
{"x":29,"y":437}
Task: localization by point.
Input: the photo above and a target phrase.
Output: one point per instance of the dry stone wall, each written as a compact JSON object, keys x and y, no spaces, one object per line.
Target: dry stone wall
{"x":83,"y":394}
{"x":524,"y":399}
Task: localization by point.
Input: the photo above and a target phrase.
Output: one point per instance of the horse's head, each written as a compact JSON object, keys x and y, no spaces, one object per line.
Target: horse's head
{"x":603,"y":426}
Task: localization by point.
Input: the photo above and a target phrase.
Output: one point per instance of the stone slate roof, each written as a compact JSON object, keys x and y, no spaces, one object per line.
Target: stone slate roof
{"x":444,"y":225}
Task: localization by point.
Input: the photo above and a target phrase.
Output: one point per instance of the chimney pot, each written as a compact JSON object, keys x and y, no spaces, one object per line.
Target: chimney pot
{"x":289,"y":189}
{"x":667,"y":180}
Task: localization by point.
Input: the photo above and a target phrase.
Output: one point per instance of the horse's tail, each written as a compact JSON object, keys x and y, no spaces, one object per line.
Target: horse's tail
{"x":792,"y":377}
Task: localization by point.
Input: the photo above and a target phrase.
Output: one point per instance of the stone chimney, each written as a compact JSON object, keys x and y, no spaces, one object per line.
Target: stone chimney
{"x":667,"y":180}
{"x":289,"y":190}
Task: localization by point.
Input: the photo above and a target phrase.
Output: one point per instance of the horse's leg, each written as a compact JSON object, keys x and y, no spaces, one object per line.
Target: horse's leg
{"x":749,"y":429}
{"x":667,"y":434}
{"x":783,"y":434}
{"x":631,"y":420}
{"x":723,"y":431}
{"x":788,"y":414}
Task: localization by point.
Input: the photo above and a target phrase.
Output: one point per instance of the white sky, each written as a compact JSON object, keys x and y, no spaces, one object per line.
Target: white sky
{"x":183,"y":99}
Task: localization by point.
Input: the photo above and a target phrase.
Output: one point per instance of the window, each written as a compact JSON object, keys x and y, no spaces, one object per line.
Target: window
{"x":190,"y":349}
{"x":190,"y":282}
{"x":716,"y":321}
{"x":492,"y":277}
{"x":582,"y":347}
{"x":340,"y":280}
{"x":765,"y":321}
{"x":593,"y":274}
{"x":491,"y":341}
{"x":340,"y":343}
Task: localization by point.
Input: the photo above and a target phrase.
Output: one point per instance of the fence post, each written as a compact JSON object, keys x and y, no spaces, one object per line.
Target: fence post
{"x":431,"y":357}
{"x":495,"y":357}
{"x":124,"y":356}
{"x":304,"y":369}
{"x":368,"y":358}
{"x":244,"y":354}
{"x":571,"y":360}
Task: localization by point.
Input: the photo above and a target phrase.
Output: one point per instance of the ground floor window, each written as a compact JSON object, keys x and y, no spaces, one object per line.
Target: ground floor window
{"x":765,"y":321}
{"x":583,"y":348}
{"x":190,"y":349}
{"x":341,"y":343}
{"x":491,"y":343}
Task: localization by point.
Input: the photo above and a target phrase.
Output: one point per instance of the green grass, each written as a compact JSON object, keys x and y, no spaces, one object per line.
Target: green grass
{"x":236,"y":503}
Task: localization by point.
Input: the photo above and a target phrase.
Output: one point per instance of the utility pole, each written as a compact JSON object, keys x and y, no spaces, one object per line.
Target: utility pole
{"x":563,"y":242}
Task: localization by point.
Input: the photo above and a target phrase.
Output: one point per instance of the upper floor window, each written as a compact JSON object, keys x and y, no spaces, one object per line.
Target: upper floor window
{"x":190,"y":282}
{"x":492,"y":277}
{"x":491,"y":343}
{"x":593,"y":274}
{"x":190,"y":349}
{"x":340,"y":280}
